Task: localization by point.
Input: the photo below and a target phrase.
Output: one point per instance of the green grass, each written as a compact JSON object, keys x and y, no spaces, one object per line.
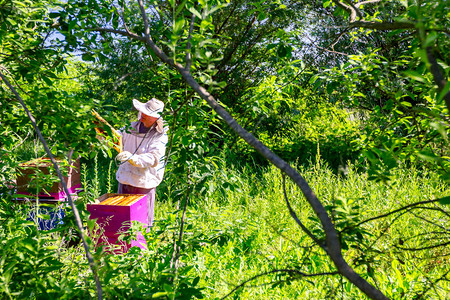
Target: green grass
{"x":250,"y":232}
{"x":234,"y":235}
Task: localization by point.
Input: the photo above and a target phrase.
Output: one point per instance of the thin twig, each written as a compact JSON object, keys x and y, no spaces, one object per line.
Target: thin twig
{"x":123,"y":20}
{"x":358,"y":5}
{"x":188,"y":45}
{"x":297,"y":220}
{"x":423,"y":248}
{"x":180,"y":237}
{"x":395,"y":211}
{"x":277,"y":231}
{"x":15,"y":81}
{"x":432,"y":284}
{"x":382,"y":25}
{"x":324,"y":49}
{"x":436,"y":234}
{"x":288,"y":271}
{"x":121,"y":32}
{"x":21,"y":142}
{"x":426,"y":220}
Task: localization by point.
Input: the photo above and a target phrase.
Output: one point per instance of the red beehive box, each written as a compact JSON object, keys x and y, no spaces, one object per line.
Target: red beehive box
{"x":27,"y":171}
{"x":114,"y":213}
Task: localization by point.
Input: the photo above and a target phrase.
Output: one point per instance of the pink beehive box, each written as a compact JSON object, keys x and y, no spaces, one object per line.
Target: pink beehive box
{"x":114,"y":219}
{"x":28,"y":170}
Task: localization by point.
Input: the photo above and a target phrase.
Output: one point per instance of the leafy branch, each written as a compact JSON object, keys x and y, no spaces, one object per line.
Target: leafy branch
{"x":76,"y":214}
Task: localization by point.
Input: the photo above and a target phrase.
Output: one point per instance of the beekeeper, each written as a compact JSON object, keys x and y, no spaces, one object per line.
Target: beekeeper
{"x":142,"y":161}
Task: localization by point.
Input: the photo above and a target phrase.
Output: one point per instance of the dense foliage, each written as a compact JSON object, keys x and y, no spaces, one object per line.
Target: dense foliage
{"x":354,"y":94}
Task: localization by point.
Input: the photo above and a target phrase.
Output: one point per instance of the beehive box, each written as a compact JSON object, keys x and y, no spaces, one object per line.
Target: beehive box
{"x":27,"y":170}
{"x":114,"y":213}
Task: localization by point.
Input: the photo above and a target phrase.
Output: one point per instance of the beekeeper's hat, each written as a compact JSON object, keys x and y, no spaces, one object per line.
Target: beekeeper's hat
{"x":152,"y":108}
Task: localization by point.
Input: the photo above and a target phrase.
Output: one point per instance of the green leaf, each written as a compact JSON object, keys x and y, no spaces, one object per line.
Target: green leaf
{"x":261,"y":16}
{"x":72,"y":24}
{"x":196,"y":280}
{"x":445,"y":200}
{"x":222,"y":84}
{"x":415,"y":75}
{"x":440,"y":128}
{"x":178,"y":25}
{"x":428,"y":156}
{"x":159,"y":294}
{"x":180,"y":8}
{"x":185,"y":140}
{"x":47,"y":80}
{"x":195,"y":12}
{"x":430,"y":39}
{"x":444,"y":91}
{"x":87,"y":57}
{"x":168,"y":288}
{"x":217,"y":7}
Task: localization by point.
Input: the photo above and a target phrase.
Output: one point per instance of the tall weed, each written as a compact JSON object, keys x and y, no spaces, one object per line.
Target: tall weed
{"x":237,"y":231}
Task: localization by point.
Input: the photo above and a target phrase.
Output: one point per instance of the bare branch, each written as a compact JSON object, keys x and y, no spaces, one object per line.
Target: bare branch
{"x":354,"y":9}
{"x":358,"y":5}
{"x":382,"y":25}
{"x":123,"y":20}
{"x":347,"y":8}
{"x":290,"y":272}
{"x":398,"y":210}
{"x":188,"y":46}
{"x":423,"y":248}
{"x":297,"y":220}
{"x":332,"y":239}
{"x":324,"y":49}
{"x":145,"y":18}
{"x":437,"y":75}
{"x":121,"y":32}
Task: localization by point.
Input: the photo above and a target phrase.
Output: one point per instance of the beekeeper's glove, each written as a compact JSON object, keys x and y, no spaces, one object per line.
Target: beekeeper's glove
{"x":126,"y":156}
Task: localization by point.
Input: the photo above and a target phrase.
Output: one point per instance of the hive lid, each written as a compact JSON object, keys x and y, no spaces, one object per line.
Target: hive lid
{"x":118,"y":199}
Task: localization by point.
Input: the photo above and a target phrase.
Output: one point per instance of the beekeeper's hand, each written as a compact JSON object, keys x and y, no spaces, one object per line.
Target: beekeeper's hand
{"x":125,"y":156}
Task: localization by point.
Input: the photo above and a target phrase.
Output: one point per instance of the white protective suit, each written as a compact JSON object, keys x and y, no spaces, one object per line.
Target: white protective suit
{"x":149,"y":157}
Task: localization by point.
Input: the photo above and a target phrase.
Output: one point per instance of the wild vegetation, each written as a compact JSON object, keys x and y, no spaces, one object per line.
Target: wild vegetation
{"x":308,"y":155}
